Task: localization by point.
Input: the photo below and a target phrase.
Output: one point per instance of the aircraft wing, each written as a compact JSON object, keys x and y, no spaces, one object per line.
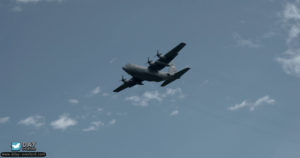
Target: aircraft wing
{"x":127,"y":84}
{"x":163,"y":61}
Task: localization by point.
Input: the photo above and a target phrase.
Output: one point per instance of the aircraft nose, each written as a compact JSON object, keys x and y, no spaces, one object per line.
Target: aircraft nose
{"x":125,"y":68}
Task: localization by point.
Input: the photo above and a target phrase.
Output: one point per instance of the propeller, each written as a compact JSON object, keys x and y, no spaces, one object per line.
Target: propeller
{"x":150,"y":62}
{"x":158,"y":54}
{"x":123,"y":79}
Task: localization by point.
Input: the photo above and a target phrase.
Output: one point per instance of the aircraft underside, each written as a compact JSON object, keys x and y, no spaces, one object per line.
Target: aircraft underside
{"x":149,"y":76}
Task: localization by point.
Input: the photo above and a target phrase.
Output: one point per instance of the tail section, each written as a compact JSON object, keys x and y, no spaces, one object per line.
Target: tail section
{"x":175,"y":76}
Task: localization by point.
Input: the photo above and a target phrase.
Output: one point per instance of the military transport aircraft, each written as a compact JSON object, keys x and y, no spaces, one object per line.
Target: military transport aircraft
{"x":152,"y":72}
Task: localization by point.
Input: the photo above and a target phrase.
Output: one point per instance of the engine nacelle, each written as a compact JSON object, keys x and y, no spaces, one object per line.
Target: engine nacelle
{"x":162,"y":63}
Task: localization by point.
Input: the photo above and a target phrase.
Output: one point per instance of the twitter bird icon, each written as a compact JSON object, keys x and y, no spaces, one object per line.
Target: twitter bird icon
{"x":15,"y":146}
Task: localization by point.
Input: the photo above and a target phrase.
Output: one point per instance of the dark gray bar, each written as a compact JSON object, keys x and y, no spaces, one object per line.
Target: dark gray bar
{"x":23,"y":154}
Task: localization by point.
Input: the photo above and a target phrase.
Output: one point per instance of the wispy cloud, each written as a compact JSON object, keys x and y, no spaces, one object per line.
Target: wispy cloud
{"x":73,"y":101}
{"x":96,"y":90}
{"x":291,"y":17}
{"x":18,"y":4}
{"x":112,"y":60}
{"x":112,"y":122}
{"x":149,"y":96}
{"x":145,"y":98}
{"x":4,"y":119}
{"x":35,"y":121}
{"x":242,"y":42}
{"x":63,"y":122}
{"x":93,"y":126}
{"x":173,"y":92}
{"x":17,"y":9}
{"x":266,"y":100}
{"x":291,"y":11}
{"x":205,"y":82}
{"x":36,"y":1}
{"x":105,"y":94}
{"x":174,"y":113}
{"x":290,"y":60}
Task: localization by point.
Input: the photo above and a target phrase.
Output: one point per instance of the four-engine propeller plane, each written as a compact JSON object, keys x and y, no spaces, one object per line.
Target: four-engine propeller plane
{"x":152,"y":72}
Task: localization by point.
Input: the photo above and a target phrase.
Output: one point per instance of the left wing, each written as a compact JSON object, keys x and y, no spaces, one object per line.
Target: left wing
{"x":127,"y":84}
{"x":164,"y":60}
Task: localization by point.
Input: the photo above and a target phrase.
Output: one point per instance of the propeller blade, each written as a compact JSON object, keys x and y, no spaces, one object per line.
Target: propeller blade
{"x":123,"y":79}
{"x":149,"y":61}
{"x":158,"y":54}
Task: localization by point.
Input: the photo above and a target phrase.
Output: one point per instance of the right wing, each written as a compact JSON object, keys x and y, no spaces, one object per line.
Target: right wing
{"x":166,"y":59}
{"x":127,"y":84}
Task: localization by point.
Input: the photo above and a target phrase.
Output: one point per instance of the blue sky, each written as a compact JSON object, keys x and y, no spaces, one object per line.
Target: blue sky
{"x":61,"y":59}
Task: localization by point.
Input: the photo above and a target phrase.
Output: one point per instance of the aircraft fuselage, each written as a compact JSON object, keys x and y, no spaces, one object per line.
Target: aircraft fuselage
{"x":143,"y":73}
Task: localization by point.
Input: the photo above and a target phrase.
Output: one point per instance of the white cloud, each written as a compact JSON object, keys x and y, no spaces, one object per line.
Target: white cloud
{"x":73,"y":101}
{"x":174,"y":113}
{"x":144,"y":99}
{"x":238,"y":106}
{"x":105,"y":94}
{"x":36,"y":1}
{"x":291,"y":11}
{"x":36,"y":121}
{"x":112,"y":60}
{"x":63,"y":122}
{"x":93,"y":126}
{"x":290,"y":60}
{"x":4,"y":119}
{"x":266,"y":100}
{"x":172,"y":92}
{"x":149,"y":96}
{"x":96,"y":90}
{"x":20,"y":3}
{"x":293,"y":32}
{"x":152,"y":96}
{"x":136,"y":100}
{"x":28,"y":1}
{"x":291,"y":18}
{"x":241,"y":42}
{"x":112,"y":122}
{"x":17,"y":9}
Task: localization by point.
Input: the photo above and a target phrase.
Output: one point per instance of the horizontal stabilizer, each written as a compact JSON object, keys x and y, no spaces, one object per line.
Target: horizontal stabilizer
{"x":176,"y":76}
{"x":181,"y":72}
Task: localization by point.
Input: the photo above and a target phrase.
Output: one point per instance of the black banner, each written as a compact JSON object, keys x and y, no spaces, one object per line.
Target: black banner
{"x":23,"y":154}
